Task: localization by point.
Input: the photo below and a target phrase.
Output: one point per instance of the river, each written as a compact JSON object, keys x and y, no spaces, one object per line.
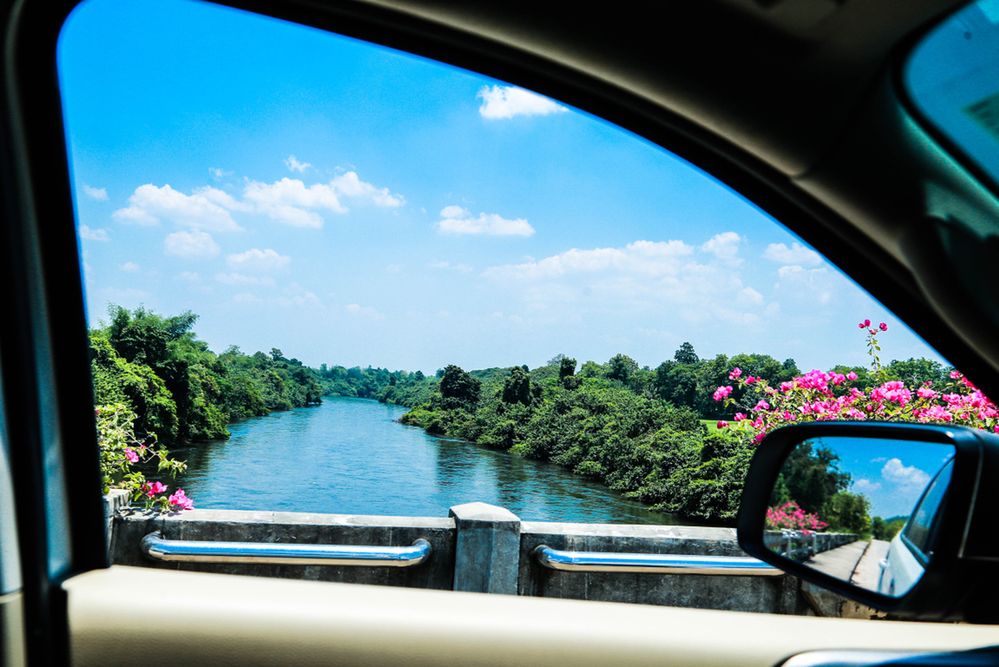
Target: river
{"x":352,"y":456}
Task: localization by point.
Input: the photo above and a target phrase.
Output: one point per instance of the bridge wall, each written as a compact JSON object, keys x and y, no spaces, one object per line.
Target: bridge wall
{"x":478,"y":547}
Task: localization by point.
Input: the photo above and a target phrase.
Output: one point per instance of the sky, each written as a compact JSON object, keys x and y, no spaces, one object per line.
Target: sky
{"x":351,"y":204}
{"x":891,"y":474}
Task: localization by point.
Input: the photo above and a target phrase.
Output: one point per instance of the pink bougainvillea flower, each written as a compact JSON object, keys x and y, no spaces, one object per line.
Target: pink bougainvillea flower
{"x":721,"y":423}
{"x":180,"y":500}
{"x":735,"y":373}
{"x":722,"y":392}
{"x":751,"y":379}
{"x":761,"y":406}
{"x":851,"y":376}
{"x":154,"y":488}
{"x":883,"y":326}
{"x":131,"y":455}
{"x":739,"y":416}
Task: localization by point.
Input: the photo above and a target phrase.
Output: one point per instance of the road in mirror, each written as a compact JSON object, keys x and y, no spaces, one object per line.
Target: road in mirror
{"x":863,"y":510}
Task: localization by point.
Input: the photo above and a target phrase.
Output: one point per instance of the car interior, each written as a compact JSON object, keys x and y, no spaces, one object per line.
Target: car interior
{"x":801,"y":106}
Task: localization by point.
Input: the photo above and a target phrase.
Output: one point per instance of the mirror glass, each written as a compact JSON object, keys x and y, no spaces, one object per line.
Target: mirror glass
{"x":863,"y":510}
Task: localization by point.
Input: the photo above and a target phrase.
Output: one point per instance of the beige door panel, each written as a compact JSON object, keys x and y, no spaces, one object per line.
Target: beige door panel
{"x":128,"y":615}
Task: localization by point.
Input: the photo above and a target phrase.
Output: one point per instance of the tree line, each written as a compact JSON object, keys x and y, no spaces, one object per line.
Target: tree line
{"x":641,"y":431}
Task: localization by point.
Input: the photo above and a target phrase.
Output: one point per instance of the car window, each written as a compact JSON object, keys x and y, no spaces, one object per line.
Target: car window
{"x":919,"y":531}
{"x":323,"y":276}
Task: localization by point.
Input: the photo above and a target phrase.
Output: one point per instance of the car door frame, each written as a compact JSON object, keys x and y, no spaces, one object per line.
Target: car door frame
{"x":43,"y":341}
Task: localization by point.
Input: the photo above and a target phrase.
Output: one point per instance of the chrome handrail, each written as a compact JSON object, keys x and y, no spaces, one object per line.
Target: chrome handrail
{"x":154,"y":546}
{"x":603,"y":561}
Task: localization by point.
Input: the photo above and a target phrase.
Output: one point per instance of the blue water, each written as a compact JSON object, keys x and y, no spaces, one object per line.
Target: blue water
{"x":351,"y":456}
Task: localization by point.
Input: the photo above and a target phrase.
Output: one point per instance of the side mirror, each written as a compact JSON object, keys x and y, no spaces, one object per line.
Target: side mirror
{"x":894,"y":516}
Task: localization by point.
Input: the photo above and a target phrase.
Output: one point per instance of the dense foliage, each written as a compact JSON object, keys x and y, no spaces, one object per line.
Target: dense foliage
{"x":180,"y":390}
{"x":641,"y":431}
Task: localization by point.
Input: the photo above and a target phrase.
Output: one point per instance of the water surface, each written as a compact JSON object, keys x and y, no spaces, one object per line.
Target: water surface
{"x":351,"y":456}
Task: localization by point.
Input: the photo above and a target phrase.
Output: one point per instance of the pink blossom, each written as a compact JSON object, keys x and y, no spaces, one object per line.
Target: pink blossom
{"x":761,"y":406}
{"x":722,"y":392}
{"x":926,"y":392}
{"x":721,"y":423}
{"x":851,"y":376}
{"x":883,"y":326}
{"x":180,"y":500}
{"x":131,"y":455}
{"x":154,"y":488}
{"x":739,"y":416}
{"x":735,"y":373}
{"x":751,"y":380}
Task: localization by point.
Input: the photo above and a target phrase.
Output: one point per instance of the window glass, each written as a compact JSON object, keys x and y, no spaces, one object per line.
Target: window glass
{"x":953,"y":77}
{"x":920,"y":528}
{"x":332,"y":277}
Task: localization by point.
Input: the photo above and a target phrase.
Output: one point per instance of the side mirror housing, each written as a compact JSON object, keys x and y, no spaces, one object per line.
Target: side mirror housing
{"x":899,"y":517}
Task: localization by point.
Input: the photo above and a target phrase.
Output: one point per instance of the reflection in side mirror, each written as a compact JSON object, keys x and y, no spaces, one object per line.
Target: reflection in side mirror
{"x":861,"y":510}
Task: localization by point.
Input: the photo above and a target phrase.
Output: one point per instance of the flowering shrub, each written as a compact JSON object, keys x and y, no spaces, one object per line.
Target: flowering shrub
{"x":819,"y":395}
{"x":123,"y":459}
{"x":791,"y":517}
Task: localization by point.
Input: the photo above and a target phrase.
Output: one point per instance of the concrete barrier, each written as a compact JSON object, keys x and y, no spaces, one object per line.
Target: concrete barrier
{"x":479,"y":547}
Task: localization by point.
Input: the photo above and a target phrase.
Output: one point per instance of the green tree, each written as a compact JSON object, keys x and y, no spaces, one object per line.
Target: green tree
{"x":685,"y":354}
{"x":458,"y":388}
{"x":847,"y":512}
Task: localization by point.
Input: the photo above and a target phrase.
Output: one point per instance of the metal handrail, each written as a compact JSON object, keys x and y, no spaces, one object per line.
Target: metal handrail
{"x":602,"y":561}
{"x":154,"y":546}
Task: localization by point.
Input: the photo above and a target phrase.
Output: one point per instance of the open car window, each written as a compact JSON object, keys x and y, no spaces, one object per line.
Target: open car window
{"x":334,"y":278}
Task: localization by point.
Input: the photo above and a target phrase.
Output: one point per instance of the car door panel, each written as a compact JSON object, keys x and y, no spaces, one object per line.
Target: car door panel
{"x":124,"y":615}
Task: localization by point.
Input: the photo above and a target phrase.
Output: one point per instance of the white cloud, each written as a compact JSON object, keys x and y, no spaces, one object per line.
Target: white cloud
{"x":502,"y":102}
{"x":205,"y":209}
{"x":793,"y":254}
{"x":454,"y":211}
{"x":450,"y":266}
{"x":291,"y":202}
{"x":91,"y":234}
{"x":724,"y":246}
{"x":294,"y":165}
{"x":130,"y":267}
{"x":191,"y":245}
{"x":218,"y":174}
{"x":357,"y":310}
{"x":813,"y":285}
{"x":350,"y":185}
{"x":235,"y":278}
{"x":647,"y":258}
{"x":456,"y":220}
{"x":863,"y":485}
{"x":256,"y":259}
{"x":98,"y":194}
{"x":750,"y":296}
{"x":909,"y":477}
{"x":643,"y":277}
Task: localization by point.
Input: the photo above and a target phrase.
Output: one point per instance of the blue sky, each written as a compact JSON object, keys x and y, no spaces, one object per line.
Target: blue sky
{"x":351,"y":204}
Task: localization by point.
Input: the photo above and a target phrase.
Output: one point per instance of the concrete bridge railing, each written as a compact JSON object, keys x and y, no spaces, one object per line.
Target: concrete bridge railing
{"x":479,"y":547}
